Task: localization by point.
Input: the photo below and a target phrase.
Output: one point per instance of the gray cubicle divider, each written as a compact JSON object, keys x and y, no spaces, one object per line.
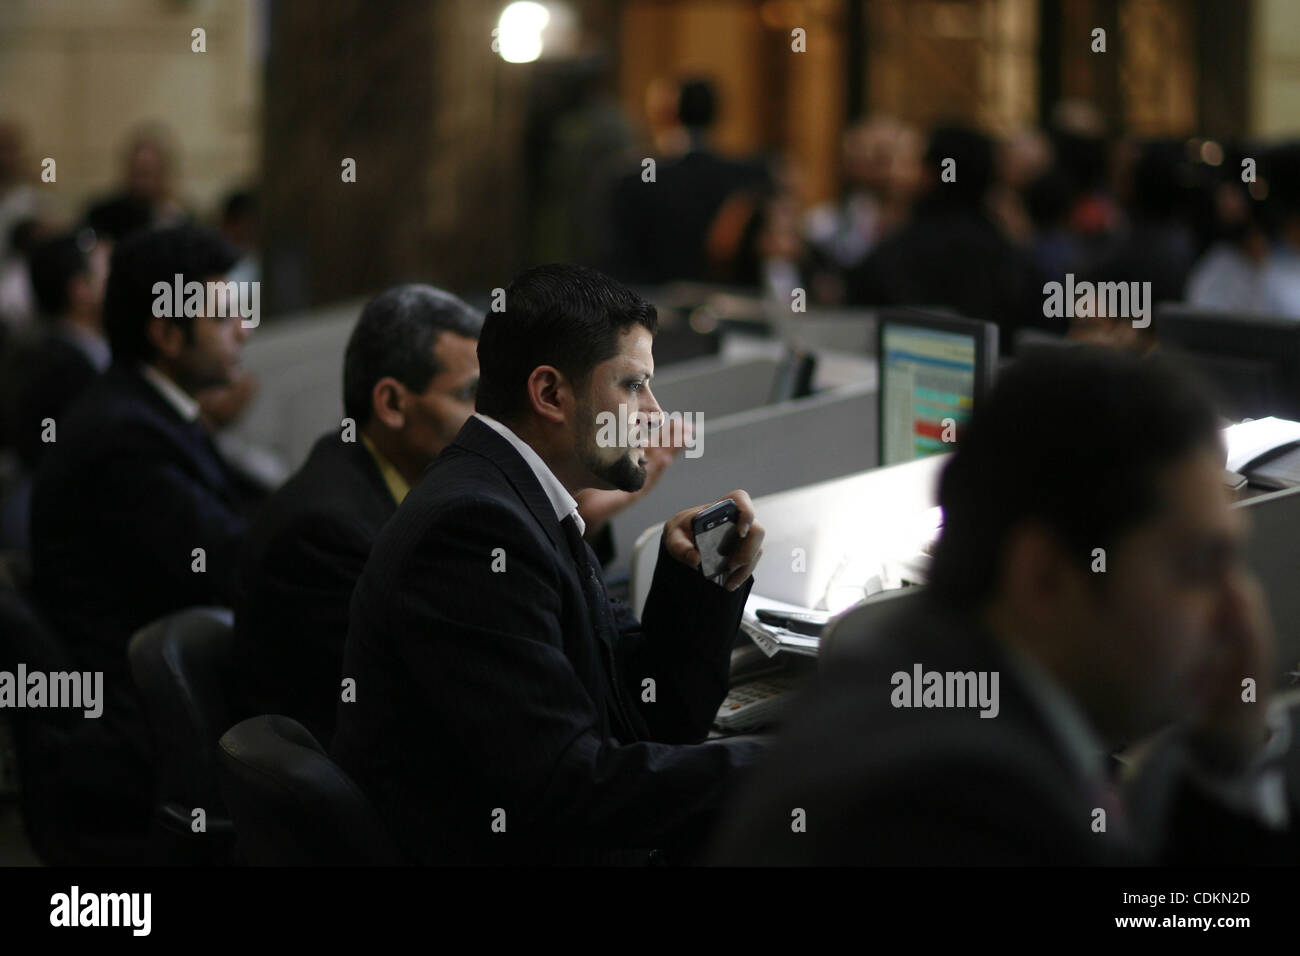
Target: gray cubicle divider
{"x":763,"y":451}
{"x":1273,"y":551}
{"x":715,"y":386}
{"x":839,"y":330}
{"x":298,"y":362}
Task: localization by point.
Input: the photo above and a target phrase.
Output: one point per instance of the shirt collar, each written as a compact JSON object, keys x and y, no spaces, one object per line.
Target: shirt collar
{"x":93,"y":345}
{"x":1067,"y":722}
{"x":397,"y":485}
{"x":563,"y":502}
{"x":175,"y":396}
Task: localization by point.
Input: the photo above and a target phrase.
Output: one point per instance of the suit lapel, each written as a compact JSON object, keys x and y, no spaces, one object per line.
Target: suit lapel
{"x":482,"y":440}
{"x":190,"y":437}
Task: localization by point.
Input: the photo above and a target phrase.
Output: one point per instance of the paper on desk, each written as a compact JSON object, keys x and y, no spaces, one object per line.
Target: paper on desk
{"x":1248,"y":440}
{"x":772,"y":639}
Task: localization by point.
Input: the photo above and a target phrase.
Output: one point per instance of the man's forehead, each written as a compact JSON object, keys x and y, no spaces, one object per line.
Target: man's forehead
{"x":1195,"y":497}
{"x":634,"y":351}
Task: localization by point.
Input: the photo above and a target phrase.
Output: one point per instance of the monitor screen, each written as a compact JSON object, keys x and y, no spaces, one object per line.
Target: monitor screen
{"x":931,"y":373}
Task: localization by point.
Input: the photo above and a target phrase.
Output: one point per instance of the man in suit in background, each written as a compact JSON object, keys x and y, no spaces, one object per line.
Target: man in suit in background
{"x":409,"y":377}
{"x":62,"y":361}
{"x":1089,"y":561}
{"x":504,"y":710}
{"x":134,"y":514}
{"x":68,"y":274}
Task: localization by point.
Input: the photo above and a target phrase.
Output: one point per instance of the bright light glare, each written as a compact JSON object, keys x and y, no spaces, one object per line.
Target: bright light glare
{"x":520,"y":31}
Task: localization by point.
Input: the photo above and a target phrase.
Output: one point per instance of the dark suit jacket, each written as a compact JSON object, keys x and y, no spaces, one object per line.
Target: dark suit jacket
{"x":124,"y":496}
{"x":951,"y":257}
{"x":301,"y":560}
{"x":660,"y":229}
{"x":944,"y":786}
{"x":53,"y":375}
{"x":481,"y":690}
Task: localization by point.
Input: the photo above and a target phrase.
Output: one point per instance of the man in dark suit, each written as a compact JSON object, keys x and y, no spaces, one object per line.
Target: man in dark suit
{"x":134,"y":514}
{"x":409,"y":377}
{"x":502,"y":708}
{"x":1087,"y":591}
{"x":661,"y":230}
{"x":51,"y":371}
{"x":951,"y":253}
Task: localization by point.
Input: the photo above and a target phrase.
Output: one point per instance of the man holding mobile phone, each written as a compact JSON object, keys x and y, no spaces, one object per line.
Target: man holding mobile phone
{"x":505,"y":710}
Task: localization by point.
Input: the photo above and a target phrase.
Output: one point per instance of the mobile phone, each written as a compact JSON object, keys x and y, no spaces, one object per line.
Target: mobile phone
{"x":811,"y":623}
{"x":716,"y":538}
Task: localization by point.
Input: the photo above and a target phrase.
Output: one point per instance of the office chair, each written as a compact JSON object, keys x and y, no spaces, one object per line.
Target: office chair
{"x":292,"y":805}
{"x":862,"y":623}
{"x":56,"y":791}
{"x":181,"y":665}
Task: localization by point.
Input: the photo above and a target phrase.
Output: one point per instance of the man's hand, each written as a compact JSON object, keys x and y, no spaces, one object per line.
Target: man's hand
{"x":1229,"y":732}
{"x":221,"y":405}
{"x":597,"y":506}
{"x":680,"y":541}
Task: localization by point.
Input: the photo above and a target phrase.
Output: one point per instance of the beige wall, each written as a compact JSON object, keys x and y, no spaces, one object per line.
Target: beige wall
{"x":79,"y":75}
{"x":1275,"y":84}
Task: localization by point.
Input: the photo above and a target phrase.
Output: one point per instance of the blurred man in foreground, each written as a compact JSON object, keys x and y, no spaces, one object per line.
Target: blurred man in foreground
{"x":1087,"y":591}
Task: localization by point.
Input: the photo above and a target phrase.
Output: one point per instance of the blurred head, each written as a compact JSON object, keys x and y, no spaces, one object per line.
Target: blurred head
{"x":195,"y":351}
{"x":410,"y":373}
{"x":697,"y":104}
{"x":68,"y":277}
{"x":148,"y":164}
{"x":870,"y":149}
{"x":567,"y":365}
{"x":1084,"y":449}
{"x":973,"y":154}
{"x":240,"y":222}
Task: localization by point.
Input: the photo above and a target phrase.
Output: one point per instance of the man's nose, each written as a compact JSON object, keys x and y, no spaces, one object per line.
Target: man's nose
{"x":650,"y":405}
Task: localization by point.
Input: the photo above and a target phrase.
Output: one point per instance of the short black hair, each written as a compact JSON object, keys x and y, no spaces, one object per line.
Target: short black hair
{"x":567,"y":316}
{"x":1075,"y":438}
{"x":697,"y":103}
{"x":972,"y":153}
{"x":157,"y":255}
{"x":238,"y":204}
{"x":395,"y":337}
{"x":54,"y":263}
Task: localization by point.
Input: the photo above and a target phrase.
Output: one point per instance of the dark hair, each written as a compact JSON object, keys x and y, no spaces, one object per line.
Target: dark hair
{"x":972,"y":152}
{"x":567,"y":316}
{"x":238,"y":204}
{"x":395,"y":338}
{"x":157,"y":255}
{"x":1075,"y":438}
{"x":697,"y":104}
{"x":54,"y":263}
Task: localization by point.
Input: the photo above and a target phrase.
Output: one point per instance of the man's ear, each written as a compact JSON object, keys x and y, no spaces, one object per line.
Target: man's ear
{"x":547,"y":387}
{"x":166,"y":337}
{"x":388,"y":402}
{"x":1038,"y":574}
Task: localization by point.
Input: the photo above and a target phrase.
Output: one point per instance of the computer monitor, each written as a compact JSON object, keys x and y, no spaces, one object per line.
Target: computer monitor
{"x":1251,"y":361}
{"x":933,"y":370}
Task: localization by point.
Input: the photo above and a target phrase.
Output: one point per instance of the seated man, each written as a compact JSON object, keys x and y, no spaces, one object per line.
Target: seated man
{"x":502,"y":709}
{"x":57,"y":365}
{"x":1087,"y":590}
{"x":409,"y":376}
{"x":134,"y":515}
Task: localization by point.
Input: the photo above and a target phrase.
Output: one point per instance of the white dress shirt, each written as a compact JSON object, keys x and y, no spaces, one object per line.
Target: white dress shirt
{"x":176,"y":396}
{"x":563,"y":502}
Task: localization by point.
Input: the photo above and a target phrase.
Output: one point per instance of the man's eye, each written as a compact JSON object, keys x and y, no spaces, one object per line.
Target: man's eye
{"x":636,"y":386}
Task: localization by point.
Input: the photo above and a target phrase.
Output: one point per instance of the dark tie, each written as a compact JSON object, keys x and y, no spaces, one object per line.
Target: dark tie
{"x":593,"y":589}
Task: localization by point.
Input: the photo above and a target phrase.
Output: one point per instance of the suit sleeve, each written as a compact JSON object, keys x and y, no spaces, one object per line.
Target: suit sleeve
{"x":481,"y":633}
{"x":182,"y":515}
{"x":683,"y":643}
